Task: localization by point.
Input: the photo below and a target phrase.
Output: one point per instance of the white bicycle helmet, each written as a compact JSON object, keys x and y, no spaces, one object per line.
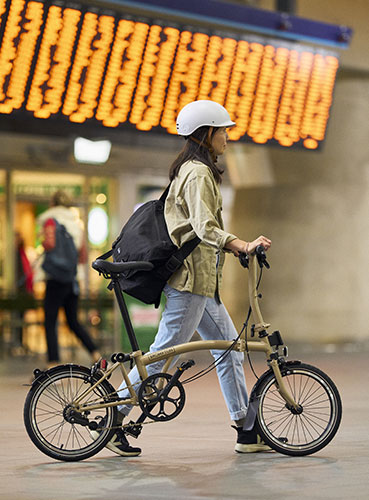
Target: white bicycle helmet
{"x":202,"y":113}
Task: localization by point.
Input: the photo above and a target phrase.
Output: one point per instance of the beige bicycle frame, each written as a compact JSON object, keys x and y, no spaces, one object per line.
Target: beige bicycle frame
{"x":142,"y":360}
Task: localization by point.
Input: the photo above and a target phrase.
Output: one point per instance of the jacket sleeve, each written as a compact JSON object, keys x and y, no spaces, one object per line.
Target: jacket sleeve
{"x":203,"y":204}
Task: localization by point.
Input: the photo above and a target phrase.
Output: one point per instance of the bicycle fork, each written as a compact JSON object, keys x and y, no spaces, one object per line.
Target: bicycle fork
{"x":269,"y":344}
{"x":291,"y":404}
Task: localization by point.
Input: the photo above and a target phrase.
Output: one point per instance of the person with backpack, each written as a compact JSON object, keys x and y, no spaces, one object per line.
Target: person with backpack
{"x":193,"y":207}
{"x":64,"y":248}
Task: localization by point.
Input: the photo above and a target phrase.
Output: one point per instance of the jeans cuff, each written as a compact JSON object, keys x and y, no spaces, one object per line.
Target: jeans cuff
{"x":238,"y":414}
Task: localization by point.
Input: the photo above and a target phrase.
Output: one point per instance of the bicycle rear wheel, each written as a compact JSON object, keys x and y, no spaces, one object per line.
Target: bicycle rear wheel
{"x":49,"y":418}
{"x":315,"y":424}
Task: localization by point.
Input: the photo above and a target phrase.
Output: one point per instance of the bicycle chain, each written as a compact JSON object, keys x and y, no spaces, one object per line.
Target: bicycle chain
{"x":112,"y":394}
{"x":128,"y":424}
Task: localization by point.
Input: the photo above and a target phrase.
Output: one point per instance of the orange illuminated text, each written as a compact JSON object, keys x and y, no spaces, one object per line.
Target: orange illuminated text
{"x":83,"y":66}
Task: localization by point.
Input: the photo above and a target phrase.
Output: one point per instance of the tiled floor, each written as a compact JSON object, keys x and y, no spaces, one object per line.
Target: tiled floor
{"x":192,"y":457}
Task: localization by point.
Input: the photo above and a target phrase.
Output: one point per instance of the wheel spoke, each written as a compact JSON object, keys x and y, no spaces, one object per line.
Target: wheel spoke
{"x":53,"y":395}
{"x":47,"y":407}
{"x":306,"y":425}
{"x":315,"y":423}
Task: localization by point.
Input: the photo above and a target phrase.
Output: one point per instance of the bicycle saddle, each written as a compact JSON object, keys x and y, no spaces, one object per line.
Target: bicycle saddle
{"x":104,"y":266}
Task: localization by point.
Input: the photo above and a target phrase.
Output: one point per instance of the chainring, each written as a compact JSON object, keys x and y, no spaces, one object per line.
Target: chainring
{"x":161,"y":398}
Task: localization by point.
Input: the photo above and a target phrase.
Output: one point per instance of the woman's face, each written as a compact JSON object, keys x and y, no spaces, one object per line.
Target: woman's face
{"x":219,"y":140}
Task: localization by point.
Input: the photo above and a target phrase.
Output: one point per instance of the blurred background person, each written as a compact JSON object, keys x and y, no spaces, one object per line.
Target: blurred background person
{"x":23,"y":288}
{"x":62,"y":288}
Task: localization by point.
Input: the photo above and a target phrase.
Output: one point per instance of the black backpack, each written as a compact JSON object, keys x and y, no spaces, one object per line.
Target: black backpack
{"x":145,"y":237}
{"x":60,"y":263}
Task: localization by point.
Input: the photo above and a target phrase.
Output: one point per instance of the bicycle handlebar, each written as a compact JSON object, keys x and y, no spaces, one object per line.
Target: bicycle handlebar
{"x":260,"y":255}
{"x":244,"y":259}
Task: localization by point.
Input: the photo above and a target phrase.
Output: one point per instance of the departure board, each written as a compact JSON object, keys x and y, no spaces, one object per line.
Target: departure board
{"x":82,"y":65}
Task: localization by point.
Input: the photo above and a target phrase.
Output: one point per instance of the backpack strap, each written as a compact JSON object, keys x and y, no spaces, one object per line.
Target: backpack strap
{"x":49,"y":230}
{"x":105,"y":255}
{"x":165,"y":193}
{"x":187,"y":248}
{"x":176,"y":260}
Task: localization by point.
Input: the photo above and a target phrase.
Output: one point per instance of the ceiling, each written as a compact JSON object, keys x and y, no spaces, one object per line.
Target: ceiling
{"x":149,"y":153}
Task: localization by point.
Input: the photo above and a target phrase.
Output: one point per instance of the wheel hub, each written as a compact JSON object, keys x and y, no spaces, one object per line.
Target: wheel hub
{"x":72,"y":416}
{"x":295,"y":411}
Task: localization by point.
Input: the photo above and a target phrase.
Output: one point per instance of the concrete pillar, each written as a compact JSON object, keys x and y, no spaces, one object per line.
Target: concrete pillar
{"x":315,"y":208}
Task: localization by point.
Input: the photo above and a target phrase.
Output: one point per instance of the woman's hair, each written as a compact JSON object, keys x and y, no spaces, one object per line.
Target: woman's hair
{"x":60,"y":198}
{"x":197,"y":149}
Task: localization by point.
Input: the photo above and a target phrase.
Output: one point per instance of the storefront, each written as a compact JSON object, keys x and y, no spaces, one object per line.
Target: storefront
{"x":24,"y":195}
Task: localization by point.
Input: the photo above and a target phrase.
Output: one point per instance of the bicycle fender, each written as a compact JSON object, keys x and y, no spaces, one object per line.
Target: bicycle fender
{"x":42,"y":375}
{"x":282,"y":366}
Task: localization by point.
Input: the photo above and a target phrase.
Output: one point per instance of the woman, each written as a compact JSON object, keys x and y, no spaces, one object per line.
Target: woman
{"x":193,"y":208}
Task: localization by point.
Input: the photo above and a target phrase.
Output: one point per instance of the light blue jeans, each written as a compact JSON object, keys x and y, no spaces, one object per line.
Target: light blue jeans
{"x":185,"y":313}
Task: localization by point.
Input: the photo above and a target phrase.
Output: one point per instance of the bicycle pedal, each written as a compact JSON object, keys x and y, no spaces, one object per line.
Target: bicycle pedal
{"x":186,"y":365}
{"x":133,"y":429}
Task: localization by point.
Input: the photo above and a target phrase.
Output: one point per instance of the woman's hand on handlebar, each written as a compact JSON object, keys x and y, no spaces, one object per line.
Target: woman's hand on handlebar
{"x":262,"y":240}
{"x":236,"y":246}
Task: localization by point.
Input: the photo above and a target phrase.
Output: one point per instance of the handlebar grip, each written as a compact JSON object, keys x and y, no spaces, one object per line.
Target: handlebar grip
{"x":244,"y":259}
{"x":260,"y":254}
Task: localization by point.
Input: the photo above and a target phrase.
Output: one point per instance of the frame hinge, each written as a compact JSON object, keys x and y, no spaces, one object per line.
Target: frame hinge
{"x":241,"y":345}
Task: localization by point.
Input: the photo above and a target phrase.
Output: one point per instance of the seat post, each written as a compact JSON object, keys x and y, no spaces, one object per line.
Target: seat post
{"x":125,"y":315}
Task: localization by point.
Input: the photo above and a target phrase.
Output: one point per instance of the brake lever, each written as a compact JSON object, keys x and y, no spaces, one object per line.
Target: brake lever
{"x":244,"y":259}
{"x":260,"y":254}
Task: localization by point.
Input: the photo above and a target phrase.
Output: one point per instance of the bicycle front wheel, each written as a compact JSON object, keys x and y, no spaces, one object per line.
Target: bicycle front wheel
{"x":317,"y":420}
{"x":52,"y":424}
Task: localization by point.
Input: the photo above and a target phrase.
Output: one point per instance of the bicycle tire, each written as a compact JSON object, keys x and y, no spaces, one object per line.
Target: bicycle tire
{"x":317,"y":424}
{"x":45,"y":413}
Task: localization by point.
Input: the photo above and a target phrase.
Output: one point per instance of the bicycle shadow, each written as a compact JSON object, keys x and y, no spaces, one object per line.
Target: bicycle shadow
{"x":176,"y":477}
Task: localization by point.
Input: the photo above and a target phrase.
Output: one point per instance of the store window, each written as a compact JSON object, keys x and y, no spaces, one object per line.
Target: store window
{"x":24,"y":195}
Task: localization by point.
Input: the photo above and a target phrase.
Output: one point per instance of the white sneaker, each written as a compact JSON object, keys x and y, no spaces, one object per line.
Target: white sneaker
{"x":249,"y":442}
{"x":119,"y":443}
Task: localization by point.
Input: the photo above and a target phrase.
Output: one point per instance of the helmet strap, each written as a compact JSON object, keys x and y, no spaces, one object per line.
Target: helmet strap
{"x":207,"y":145}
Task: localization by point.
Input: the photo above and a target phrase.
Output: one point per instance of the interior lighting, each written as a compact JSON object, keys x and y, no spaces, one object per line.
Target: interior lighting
{"x":101,"y":198}
{"x":97,"y":226}
{"x":86,"y":151}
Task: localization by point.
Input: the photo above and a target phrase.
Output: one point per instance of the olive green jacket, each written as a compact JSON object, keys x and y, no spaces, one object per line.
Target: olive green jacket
{"x":194,"y":208}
